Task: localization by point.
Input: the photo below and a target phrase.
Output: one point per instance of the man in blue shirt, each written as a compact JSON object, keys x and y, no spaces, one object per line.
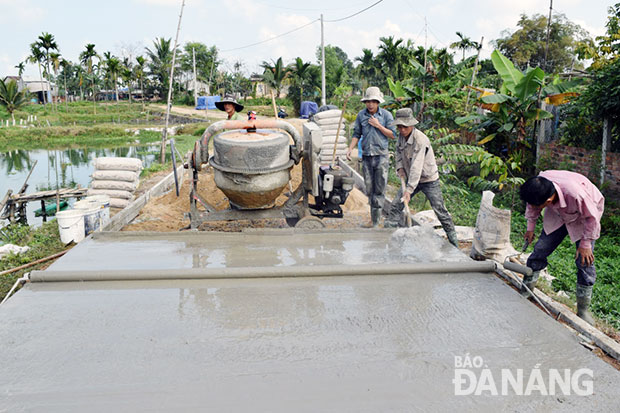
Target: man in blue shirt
{"x":375,"y":125}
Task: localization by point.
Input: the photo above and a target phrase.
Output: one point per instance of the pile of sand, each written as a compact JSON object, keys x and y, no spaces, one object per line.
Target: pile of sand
{"x":166,"y":213}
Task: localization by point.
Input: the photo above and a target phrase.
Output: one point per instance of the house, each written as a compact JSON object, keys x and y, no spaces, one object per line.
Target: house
{"x":263,"y":89}
{"x":38,"y":87}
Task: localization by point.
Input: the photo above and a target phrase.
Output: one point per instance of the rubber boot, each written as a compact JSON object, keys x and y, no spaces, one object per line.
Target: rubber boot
{"x":584,"y":297}
{"x":375,"y":216}
{"x":530,"y":282}
{"x":453,"y":239}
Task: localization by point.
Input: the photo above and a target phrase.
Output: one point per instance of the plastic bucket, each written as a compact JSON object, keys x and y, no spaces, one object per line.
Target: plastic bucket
{"x":92,"y":215}
{"x":104,"y":201}
{"x":70,"y":225}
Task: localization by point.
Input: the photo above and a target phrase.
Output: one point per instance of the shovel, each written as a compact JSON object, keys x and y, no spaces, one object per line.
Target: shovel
{"x":402,"y":186}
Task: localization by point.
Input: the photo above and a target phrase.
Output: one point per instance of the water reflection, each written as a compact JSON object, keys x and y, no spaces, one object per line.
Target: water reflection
{"x":62,"y":168}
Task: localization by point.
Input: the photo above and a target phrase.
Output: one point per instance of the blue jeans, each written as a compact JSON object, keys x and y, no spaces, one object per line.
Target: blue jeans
{"x":375,"y":178}
{"x":547,"y":243}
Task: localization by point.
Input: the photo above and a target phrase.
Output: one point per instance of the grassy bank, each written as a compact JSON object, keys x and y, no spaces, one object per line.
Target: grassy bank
{"x":43,"y":242}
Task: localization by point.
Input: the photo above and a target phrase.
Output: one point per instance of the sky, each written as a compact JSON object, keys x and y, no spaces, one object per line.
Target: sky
{"x":126,"y":27}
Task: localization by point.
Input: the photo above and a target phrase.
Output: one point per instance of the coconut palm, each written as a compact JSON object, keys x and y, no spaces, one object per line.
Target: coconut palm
{"x":274,"y":75}
{"x":86,"y":57}
{"x":299,"y":72}
{"x":160,"y":62}
{"x":66,"y":66}
{"x":393,"y":57}
{"x":47,"y":42}
{"x":127,"y":74}
{"x":464,"y":44}
{"x":36,"y":55}
{"x":11,"y":98}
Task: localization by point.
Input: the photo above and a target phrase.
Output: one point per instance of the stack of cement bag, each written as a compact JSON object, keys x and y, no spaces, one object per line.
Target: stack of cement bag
{"x":117,"y":178}
{"x":328,"y":122}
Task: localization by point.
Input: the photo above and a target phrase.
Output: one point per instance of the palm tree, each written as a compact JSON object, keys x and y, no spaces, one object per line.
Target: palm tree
{"x":11,"y":98}
{"x":367,"y":68}
{"x":464,"y":44}
{"x":160,"y":61}
{"x":393,"y":56}
{"x":47,"y":42}
{"x":299,"y":70}
{"x":36,"y":55}
{"x":274,"y":75}
{"x":86,"y":57}
{"x":66,"y":66}
{"x":140,"y":75}
{"x":21,"y":66}
{"x":127,"y":75}
{"x":113,"y":68}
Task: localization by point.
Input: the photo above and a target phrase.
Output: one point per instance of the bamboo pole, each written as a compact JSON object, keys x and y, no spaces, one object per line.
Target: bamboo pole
{"x":30,"y":264}
{"x":344,"y":107}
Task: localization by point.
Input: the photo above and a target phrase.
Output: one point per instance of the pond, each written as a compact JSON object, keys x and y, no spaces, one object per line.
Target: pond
{"x":74,"y":167}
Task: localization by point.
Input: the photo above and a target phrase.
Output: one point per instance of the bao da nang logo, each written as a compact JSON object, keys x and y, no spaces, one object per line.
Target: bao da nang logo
{"x":472,"y":377}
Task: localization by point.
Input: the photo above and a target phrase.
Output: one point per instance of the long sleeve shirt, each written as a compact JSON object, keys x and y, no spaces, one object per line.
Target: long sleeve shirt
{"x":579,"y":206}
{"x":374,"y":142}
{"x":415,"y":155}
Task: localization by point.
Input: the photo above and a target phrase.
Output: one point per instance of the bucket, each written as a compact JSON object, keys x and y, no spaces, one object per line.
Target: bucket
{"x":104,"y":201}
{"x":70,"y":225}
{"x":92,"y":215}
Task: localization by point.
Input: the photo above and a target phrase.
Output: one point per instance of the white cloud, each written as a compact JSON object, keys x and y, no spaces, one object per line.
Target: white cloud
{"x":168,"y":3}
{"x":22,"y":11}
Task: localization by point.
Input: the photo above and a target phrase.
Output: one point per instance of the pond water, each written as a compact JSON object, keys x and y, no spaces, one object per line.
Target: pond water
{"x":74,"y":168}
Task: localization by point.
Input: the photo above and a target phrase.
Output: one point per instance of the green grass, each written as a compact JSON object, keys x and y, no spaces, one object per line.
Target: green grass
{"x":43,"y":242}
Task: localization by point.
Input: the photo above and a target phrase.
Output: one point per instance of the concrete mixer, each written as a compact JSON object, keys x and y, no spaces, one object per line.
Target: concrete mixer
{"x":252,"y":162}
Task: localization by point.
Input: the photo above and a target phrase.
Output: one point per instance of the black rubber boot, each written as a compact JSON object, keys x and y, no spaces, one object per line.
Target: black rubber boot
{"x":375,"y":216}
{"x":453,"y":239}
{"x":530,"y":282}
{"x":584,"y":297}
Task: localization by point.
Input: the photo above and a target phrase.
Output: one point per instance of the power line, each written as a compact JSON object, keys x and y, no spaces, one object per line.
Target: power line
{"x":272,"y":38}
{"x":298,"y":9}
{"x":354,"y":14}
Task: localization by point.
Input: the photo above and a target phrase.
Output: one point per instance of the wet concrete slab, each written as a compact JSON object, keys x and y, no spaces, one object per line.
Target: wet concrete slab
{"x":373,"y":343}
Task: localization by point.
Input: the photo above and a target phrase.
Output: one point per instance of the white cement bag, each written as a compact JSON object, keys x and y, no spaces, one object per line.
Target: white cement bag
{"x":121,"y":185}
{"x":329,"y":122}
{"x":333,"y":129}
{"x":328,"y":114}
{"x":119,"y":203}
{"x":492,"y":232}
{"x":111,"y":175}
{"x":119,"y":164}
{"x":112,"y":193}
{"x":330,"y":147}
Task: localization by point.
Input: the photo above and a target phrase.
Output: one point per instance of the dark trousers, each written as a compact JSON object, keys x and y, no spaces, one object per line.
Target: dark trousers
{"x":547,"y":243}
{"x":432,"y":190}
{"x":375,"y":177}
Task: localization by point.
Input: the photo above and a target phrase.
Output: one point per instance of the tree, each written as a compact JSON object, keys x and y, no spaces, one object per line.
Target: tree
{"x":607,"y":47}
{"x":36,"y":55}
{"x":337,"y":68}
{"x":275,"y":75}
{"x":66,"y":67}
{"x":526,"y":46}
{"x":207,"y":61}
{"x":46,"y":42}
{"x":112,"y":68}
{"x":21,"y":66}
{"x":87,"y":58}
{"x":127,"y":74}
{"x":11,"y":98}
{"x":464,"y":44}
{"x":140,"y":75}
{"x":393,"y":57}
{"x":160,"y":63}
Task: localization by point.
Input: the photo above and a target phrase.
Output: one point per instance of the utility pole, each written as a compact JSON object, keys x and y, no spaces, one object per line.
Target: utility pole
{"x":164,"y":134}
{"x":473,"y":75}
{"x":195,"y":88}
{"x":548,"y":32}
{"x":323,"y":101}
{"x":421,"y":115}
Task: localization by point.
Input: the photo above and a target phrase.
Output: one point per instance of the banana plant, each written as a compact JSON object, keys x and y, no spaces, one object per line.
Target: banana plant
{"x":516,"y":103}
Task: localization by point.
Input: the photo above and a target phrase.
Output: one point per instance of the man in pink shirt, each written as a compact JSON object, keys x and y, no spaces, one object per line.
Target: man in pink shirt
{"x":574,"y":207}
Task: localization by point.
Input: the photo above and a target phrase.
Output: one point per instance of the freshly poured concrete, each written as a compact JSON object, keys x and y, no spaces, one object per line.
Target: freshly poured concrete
{"x":373,"y":343}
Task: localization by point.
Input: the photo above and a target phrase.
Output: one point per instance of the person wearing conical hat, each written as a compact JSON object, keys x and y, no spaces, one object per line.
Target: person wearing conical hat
{"x":373,"y":127}
{"x":229,"y":105}
{"x":416,"y":164}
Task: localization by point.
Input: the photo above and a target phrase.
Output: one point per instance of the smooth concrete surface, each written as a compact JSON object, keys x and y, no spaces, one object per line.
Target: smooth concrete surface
{"x":161,"y":251}
{"x":347,"y":343}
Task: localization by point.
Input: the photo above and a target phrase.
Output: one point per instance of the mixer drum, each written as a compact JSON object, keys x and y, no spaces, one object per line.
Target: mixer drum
{"x":252,"y":168}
